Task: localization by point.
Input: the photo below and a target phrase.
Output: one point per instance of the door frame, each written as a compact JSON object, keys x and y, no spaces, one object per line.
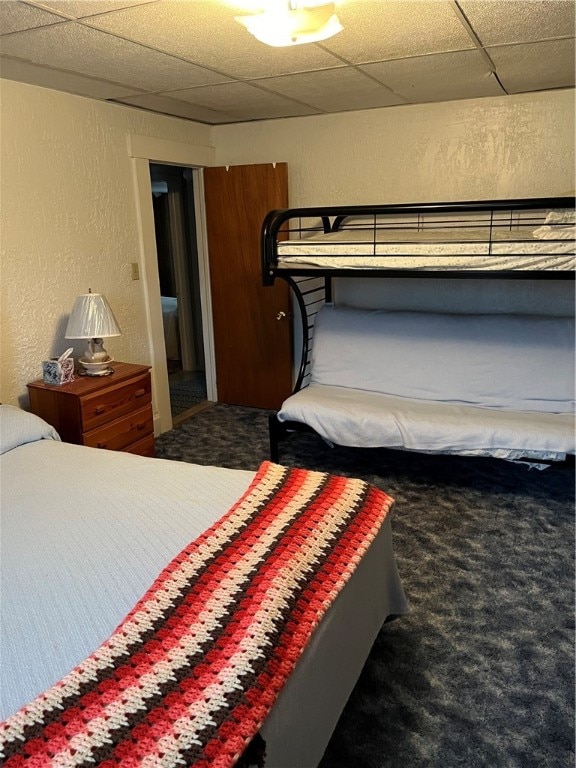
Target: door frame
{"x":143,"y":150}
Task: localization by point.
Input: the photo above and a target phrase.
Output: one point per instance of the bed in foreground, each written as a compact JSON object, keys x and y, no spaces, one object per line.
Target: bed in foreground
{"x":84,"y":535}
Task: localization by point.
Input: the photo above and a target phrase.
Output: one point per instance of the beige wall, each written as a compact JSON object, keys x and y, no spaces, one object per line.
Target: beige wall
{"x":68,"y":222}
{"x":513,"y":146}
{"x":68,"y":211}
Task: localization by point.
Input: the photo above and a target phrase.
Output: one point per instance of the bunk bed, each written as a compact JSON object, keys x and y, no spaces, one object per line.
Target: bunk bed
{"x":313,"y":248}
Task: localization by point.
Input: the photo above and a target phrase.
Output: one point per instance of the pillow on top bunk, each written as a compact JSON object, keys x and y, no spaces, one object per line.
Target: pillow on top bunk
{"x":563,"y":226}
{"x":561,"y":217}
{"x":515,"y":362}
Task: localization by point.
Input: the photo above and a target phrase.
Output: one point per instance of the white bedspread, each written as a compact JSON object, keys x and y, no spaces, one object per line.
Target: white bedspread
{"x":84,"y":533}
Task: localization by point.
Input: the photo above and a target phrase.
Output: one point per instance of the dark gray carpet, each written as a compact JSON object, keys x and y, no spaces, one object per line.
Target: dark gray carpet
{"x":481,"y":673}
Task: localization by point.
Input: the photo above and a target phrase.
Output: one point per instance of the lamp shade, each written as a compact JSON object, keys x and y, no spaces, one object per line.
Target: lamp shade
{"x":92,"y":318}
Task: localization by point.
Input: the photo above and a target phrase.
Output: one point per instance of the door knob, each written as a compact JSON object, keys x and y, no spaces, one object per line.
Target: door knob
{"x":281,"y":315}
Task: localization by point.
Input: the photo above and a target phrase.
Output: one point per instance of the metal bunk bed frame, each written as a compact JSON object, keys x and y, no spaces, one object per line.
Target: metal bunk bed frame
{"x":276,"y":227}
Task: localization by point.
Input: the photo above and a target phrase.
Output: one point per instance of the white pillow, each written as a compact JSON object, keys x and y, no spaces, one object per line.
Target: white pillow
{"x":18,"y":427}
{"x":561,"y":217}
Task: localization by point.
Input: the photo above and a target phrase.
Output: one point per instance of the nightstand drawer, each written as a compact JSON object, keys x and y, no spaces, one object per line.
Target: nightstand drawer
{"x":110,"y":404}
{"x":119,"y":434}
{"x":142,"y":447}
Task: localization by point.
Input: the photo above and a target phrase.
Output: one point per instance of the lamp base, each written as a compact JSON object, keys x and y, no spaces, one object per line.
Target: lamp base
{"x":100,"y":368}
{"x":84,"y":374}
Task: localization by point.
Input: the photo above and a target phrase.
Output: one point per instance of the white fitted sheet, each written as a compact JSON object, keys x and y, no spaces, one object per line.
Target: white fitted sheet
{"x":359,"y":418}
{"x":85,"y":532}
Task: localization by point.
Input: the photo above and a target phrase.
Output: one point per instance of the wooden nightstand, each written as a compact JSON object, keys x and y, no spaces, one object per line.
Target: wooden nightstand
{"x":113,"y":412}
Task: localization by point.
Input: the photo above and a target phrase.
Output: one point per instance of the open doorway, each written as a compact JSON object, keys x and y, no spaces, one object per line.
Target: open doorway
{"x":177,"y":252}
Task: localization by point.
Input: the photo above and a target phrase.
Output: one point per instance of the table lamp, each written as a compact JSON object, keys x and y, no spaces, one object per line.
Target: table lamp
{"x":92,"y":318}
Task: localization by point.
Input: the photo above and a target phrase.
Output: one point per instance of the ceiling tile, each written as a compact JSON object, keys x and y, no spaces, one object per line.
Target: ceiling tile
{"x":515,"y":21}
{"x":377,"y":31}
{"x":535,"y":66}
{"x":244,"y":101}
{"x":24,"y":72}
{"x":441,"y":77}
{"x":186,"y":52}
{"x":87,"y":51}
{"x":334,"y":90}
{"x":206,"y":33}
{"x":81,"y":8}
{"x":16,"y":16}
{"x":177,"y":108}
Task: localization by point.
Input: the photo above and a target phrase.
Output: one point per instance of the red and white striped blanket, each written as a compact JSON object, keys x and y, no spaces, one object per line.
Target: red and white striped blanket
{"x":191,"y":673}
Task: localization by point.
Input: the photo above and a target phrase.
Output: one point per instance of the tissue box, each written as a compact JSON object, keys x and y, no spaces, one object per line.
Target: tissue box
{"x":57,"y":373}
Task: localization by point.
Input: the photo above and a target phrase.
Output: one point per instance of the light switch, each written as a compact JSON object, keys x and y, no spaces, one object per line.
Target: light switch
{"x":134,"y":271}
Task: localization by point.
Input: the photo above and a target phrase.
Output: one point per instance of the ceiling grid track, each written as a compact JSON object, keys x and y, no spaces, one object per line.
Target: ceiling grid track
{"x":466,"y":24}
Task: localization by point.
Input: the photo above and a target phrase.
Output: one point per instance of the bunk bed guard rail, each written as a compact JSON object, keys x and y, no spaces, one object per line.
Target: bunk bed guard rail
{"x":407,"y":239}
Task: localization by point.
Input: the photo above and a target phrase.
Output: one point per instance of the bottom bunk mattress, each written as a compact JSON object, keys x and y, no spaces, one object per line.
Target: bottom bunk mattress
{"x":361,"y":419}
{"x":485,"y":385}
{"x":85,"y":533}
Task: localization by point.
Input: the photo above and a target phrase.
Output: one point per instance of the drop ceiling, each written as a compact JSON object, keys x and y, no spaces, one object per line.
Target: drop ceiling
{"x":191,"y":59}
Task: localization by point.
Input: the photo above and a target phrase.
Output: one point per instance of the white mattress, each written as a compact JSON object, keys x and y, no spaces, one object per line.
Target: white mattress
{"x":435,"y":250}
{"x":359,"y":418}
{"x":85,"y":532}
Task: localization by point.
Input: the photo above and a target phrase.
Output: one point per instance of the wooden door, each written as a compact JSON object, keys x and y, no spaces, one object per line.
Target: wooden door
{"x":253,"y":348}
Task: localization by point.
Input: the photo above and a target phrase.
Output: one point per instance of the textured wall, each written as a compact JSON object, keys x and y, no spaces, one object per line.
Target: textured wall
{"x":512,"y":146}
{"x":68,"y":223}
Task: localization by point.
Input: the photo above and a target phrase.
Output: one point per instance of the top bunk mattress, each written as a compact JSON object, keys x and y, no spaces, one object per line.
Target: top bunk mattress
{"x":460,"y":249}
{"x":522,"y":240}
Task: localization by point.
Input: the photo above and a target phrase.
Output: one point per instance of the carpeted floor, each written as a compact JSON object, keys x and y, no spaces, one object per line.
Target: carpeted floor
{"x":481,"y":673}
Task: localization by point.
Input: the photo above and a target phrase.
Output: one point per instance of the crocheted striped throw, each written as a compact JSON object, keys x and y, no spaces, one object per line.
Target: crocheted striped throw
{"x":190,"y":674}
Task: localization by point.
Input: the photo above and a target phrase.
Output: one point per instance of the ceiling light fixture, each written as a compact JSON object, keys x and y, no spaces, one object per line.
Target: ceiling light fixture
{"x":293,"y":22}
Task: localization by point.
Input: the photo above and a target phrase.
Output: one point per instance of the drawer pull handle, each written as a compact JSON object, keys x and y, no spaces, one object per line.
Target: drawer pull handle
{"x":99,"y":410}
{"x":101,"y":445}
{"x":139,"y":392}
{"x":141,"y":425}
